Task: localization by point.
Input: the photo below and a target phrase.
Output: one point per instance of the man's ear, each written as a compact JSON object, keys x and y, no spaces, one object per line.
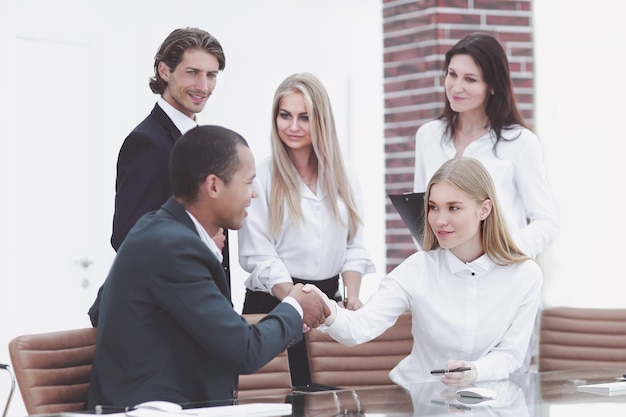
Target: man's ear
{"x":164,"y":70}
{"x":485,"y":209}
{"x":212,"y":185}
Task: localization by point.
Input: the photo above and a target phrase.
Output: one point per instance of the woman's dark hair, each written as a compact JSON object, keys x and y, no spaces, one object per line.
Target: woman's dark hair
{"x":202,"y":151}
{"x":174,"y":47}
{"x":501,"y":108}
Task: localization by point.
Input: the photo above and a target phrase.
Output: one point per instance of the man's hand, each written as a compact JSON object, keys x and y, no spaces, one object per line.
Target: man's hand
{"x":332,"y":305}
{"x":314,"y":308}
{"x":219,"y":238}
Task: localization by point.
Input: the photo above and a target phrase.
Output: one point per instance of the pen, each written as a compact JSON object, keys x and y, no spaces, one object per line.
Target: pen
{"x":345,"y":296}
{"x":445,"y":371}
{"x":445,"y":404}
{"x":106,"y":409}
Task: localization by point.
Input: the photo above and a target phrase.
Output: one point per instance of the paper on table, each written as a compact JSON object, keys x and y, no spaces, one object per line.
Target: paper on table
{"x":86,"y":414}
{"x":608,"y":388}
{"x":243,"y":410}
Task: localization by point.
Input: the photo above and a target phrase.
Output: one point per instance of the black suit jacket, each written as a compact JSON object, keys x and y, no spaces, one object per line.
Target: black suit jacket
{"x":142,"y":182}
{"x":167,"y":328}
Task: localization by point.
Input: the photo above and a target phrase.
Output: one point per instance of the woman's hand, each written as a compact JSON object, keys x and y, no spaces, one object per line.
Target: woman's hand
{"x":351,"y":287}
{"x":282,"y":290}
{"x":352,"y":303}
{"x":459,"y":378}
{"x":219,"y":238}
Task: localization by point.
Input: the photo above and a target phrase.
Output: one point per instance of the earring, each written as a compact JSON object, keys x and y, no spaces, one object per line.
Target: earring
{"x":492,"y":92}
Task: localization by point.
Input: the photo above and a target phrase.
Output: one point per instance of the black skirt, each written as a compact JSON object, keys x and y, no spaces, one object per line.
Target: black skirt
{"x":261,"y":302}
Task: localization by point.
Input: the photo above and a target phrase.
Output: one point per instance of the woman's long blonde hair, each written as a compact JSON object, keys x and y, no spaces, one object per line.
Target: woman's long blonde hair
{"x":471,"y":177}
{"x":333,"y":178}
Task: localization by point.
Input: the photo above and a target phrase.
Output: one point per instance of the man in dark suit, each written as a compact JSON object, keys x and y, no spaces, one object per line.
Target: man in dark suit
{"x":168,"y":330}
{"x":185,"y":74}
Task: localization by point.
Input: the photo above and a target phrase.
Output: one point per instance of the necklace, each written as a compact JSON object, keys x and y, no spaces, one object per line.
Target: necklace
{"x":308,"y":181}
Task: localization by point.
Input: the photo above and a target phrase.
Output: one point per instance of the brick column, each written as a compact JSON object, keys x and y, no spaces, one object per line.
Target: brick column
{"x":417,"y":35}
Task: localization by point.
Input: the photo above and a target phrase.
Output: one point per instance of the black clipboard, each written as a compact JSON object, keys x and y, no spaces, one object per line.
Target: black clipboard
{"x":410,"y":206}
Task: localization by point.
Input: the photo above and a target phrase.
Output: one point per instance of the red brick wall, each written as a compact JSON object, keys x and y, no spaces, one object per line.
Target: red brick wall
{"x":416,"y":36}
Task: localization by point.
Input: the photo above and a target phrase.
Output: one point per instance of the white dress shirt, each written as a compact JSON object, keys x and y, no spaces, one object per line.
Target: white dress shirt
{"x":180,"y":119}
{"x":204,"y":237}
{"x":479,"y":312}
{"x":518,"y":173}
{"x":315,"y":250}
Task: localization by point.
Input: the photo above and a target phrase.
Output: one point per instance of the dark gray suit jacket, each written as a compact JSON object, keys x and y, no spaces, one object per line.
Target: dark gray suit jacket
{"x":167,"y":327}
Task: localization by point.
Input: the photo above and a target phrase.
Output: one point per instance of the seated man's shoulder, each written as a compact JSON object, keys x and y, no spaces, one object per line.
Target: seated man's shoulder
{"x":160,"y":231}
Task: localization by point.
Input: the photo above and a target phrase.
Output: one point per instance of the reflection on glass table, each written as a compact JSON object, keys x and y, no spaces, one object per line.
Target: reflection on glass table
{"x":545,"y":394}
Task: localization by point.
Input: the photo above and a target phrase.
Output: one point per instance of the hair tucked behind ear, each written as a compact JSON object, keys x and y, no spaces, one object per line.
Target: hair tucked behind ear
{"x":471,"y":177}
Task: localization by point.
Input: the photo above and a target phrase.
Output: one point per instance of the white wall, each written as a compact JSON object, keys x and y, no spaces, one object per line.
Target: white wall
{"x":327,"y":39}
{"x":264,"y":41}
{"x":578,"y":113}
{"x":7,"y":130}
{"x":579,"y":94}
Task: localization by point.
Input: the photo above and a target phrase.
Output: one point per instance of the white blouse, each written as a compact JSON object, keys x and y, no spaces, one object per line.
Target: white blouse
{"x":315,"y":250}
{"x":518,"y":173}
{"x":478,"y":312}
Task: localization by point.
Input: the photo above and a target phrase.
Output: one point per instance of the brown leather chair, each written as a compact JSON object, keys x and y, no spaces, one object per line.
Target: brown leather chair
{"x":53,"y":369}
{"x":364,"y":365}
{"x":582,"y":337}
{"x":272,"y":379}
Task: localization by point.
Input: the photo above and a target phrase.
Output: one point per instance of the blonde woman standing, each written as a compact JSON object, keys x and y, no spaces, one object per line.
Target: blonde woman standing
{"x":306,"y":224}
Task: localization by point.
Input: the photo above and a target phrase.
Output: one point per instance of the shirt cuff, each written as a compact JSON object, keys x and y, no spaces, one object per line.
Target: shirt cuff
{"x":295,"y":304}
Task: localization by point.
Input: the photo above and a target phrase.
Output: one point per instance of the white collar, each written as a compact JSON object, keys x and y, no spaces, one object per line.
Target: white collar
{"x":482,"y":263}
{"x":204,"y":236}
{"x":180,"y":119}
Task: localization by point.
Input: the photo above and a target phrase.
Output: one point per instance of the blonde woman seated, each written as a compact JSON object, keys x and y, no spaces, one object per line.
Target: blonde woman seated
{"x":473,"y":294}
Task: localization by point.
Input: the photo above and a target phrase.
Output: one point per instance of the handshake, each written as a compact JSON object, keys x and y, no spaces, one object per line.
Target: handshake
{"x":317,"y":307}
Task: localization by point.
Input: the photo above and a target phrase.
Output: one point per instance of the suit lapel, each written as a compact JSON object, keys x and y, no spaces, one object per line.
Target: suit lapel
{"x":181,"y":216}
{"x":166,"y":122}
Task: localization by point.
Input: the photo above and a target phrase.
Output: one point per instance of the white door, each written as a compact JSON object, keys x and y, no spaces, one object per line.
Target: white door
{"x":58,"y":267}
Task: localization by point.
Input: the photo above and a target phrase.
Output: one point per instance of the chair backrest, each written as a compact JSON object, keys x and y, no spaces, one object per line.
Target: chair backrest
{"x":272,"y":379}
{"x":364,"y":365}
{"x":582,"y":337}
{"x":53,"y":369}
